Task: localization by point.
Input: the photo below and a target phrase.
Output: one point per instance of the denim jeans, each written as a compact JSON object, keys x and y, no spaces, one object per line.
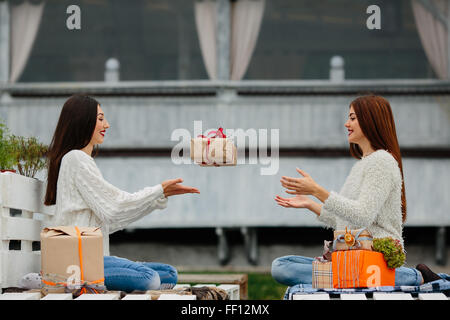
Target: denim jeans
{"x":125,"y":275}
{"x":292,"y":270}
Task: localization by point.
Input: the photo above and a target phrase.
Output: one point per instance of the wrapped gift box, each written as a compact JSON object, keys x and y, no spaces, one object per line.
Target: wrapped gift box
{"x":69,"y":253}
{"x":360,"y":269}
{"x":213,"y":151}
{"x":359,"y":239}
{"x":322,"y":274}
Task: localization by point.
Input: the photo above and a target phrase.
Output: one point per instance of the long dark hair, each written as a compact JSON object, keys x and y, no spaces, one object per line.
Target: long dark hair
{"x":376,"y":120}
{"x":74,"y":130}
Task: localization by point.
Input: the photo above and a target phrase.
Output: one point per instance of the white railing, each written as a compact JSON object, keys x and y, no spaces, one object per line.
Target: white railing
{"x":22,"y":211}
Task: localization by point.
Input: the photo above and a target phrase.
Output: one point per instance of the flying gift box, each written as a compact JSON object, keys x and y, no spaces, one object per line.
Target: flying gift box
{"x":215,"y":149}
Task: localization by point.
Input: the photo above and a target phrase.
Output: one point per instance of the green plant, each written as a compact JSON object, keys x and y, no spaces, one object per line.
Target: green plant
{"x":6,"y":149}
{"x":29,"y":155}
{"x":391,"y":249}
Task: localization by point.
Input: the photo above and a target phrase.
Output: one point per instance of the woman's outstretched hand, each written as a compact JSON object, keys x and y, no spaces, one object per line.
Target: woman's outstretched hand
{"x":305,"y":185}
{"x":173,"y":187}
{"x":299,"y":201}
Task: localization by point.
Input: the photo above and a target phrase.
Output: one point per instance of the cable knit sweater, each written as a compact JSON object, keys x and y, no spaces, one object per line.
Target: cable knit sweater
{"x":85,"y":199}
{"x":370,"y":198}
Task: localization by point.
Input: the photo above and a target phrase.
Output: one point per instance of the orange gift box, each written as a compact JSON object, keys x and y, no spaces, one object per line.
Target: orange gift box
{"x":360,"y":268}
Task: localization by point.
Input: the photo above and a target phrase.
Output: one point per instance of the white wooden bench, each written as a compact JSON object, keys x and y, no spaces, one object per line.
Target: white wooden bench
{"x":21,"y":220}
{"x":22,"y":211}
{"x":232,"y":291}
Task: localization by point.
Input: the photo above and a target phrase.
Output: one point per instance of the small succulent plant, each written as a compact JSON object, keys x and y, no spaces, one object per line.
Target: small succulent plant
{"x":392,"y":251}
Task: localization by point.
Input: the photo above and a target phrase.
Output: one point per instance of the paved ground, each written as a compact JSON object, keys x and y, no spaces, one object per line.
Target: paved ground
{"x":204,"y":257}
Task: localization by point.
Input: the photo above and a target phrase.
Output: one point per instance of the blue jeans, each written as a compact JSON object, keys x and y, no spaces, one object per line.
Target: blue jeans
{"x":292,"y":270}
{"x":125,"y":275}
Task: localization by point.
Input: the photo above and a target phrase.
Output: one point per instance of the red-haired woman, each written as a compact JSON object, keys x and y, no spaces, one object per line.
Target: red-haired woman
{"x":372,"y":197}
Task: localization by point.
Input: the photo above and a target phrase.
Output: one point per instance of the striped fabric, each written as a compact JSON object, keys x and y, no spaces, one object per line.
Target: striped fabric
{"x":441,"y":285}
{"x":322,"y":274}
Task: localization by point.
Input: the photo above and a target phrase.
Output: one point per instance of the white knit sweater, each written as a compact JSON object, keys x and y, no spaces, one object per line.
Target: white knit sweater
{"x":85,"y":199}
{"x":370,"y":198}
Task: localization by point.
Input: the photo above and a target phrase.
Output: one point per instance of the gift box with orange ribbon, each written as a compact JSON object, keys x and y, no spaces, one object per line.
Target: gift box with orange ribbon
{"x":72,"y":259}
{"x":214,"y":149}
{"x":360,"y":268}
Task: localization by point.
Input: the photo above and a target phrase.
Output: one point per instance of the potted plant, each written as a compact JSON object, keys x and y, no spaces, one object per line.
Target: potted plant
{"x":28,"y":154}
{"x":6,"y":150}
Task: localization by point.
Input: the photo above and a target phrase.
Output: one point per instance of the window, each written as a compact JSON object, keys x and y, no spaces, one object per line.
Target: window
{"x":153,"y":40}
{"x":158,"y":40}
{"x":298,"y":38}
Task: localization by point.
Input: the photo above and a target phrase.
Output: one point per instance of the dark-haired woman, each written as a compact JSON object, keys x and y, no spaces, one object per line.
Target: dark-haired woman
{"x":84,"y":198}
{"x":372,"y":197}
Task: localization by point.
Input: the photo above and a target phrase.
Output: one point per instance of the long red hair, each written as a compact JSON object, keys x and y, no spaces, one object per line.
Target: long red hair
{"x":376,"y":120}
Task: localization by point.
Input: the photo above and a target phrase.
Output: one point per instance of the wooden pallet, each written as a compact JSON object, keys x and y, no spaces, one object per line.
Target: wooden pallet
{"x":232,"y":291}
{"x":232,"y":279}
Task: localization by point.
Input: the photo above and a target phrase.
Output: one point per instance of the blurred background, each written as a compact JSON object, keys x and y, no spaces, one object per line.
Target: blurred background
{"x":293,"y":65}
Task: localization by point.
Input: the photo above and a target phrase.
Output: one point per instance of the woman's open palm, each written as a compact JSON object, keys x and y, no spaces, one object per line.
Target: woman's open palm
{"x":173,"y":187}
{"x":299,"y":201}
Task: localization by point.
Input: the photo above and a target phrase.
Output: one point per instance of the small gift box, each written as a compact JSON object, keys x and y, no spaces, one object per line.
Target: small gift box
{"x":360,"y":269}
{"x":322,"y":274}
{"x":359,"y":239}
{"x":215,"y":149}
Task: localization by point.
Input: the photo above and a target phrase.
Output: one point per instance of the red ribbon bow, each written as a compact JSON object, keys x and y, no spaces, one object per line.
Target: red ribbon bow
{"x":217,"y":134}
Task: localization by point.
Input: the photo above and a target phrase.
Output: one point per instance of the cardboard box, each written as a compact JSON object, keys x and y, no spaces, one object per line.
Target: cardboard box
{"x":213,"y":151}
{"x":362,"y":240}
{"x":360,"y":269}
{"x":60,"y":254}
{"x":322,"y":274}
